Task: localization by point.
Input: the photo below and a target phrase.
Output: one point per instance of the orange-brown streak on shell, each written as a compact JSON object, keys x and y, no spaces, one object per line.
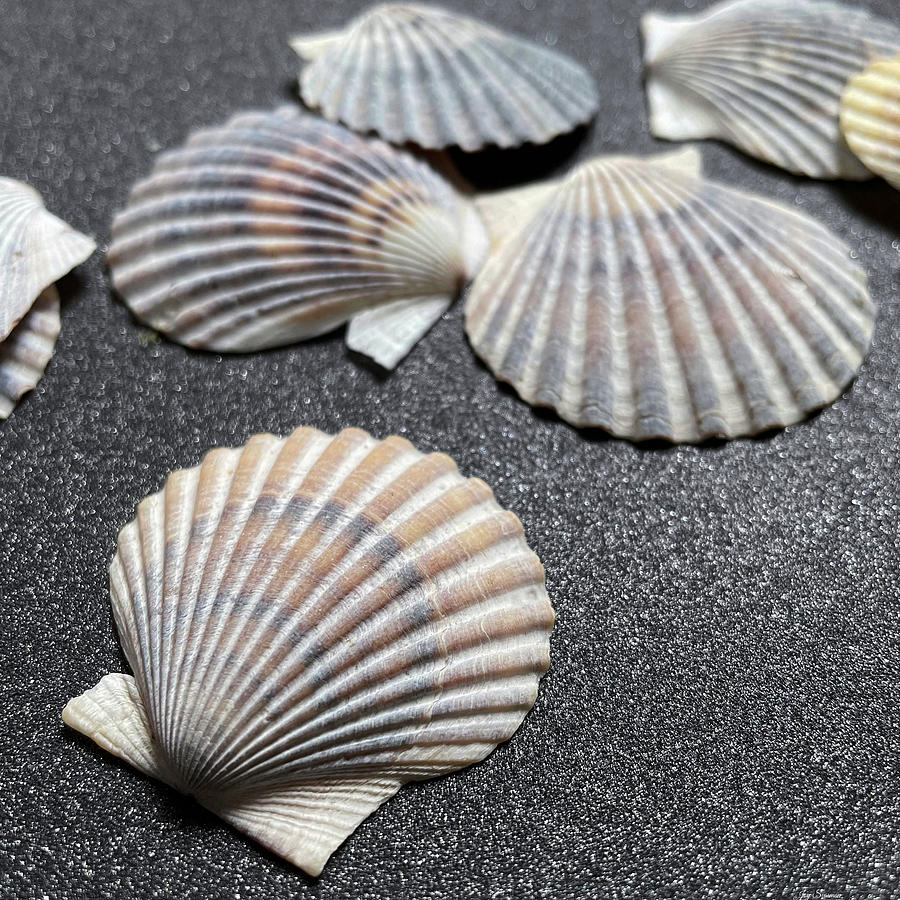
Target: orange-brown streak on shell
{"x":466,"y":545}
{"x":383,"y":668}
{"x":255,"y":623}
{"x":231,"y":524}
{"x":305,"y":620}
{"x":313,"y":486}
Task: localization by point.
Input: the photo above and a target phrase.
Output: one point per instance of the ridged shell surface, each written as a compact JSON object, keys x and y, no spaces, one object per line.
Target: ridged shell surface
{"x":36,"y":250}
{"x":277,"y":227}
{"x":25,"y":353}
{"x":438,"y":79}
{"x":870,"y":118}
{"x":764,"y":75}
{"x":312,"y":622}
{"x":644,"y":300}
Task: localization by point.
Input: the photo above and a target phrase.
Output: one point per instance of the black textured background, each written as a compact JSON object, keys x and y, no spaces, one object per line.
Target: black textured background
{"x":721,"y":717}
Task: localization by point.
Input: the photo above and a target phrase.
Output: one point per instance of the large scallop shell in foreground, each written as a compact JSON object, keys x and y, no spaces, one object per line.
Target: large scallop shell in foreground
{"x":434,"y":78}
{"x":764,"y":75}
{"x":311,"y":623}
{"x":277,"y":227}
{"x":27,"y":350}
{"x":870,"y":118}
{"x":642,"y":299}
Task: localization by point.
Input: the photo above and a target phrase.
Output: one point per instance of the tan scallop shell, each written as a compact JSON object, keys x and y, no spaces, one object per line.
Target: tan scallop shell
{"x":36,"y":249}
{"x":312,"y":622}
{"x":764,"y":75}
{"x":637,"y":297}
{"x":277,"y":227}
{"x":870,"y":118}
{"x":422,"y":74}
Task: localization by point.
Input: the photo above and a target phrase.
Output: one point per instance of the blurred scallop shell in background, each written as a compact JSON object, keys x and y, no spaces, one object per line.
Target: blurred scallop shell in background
{"x":764,"y":75}
{"x":870,"y":118}
{"x":637,"y":297}
{"x":425,"y":75}
{"x":312,"y":622}
{"x":277,"y":227}
{"x":36,"y":250}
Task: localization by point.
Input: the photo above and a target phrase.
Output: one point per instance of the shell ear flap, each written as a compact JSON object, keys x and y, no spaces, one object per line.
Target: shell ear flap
{"x":112,"y":715}
{"x":305,"y":823}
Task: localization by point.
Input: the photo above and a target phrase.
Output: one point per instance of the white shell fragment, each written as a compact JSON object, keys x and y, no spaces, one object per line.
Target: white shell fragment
{"x":36,"y":250}
{"x":641,"y":299}
{"x":870,"y":118}
{"x":429,"y":76}
{"x":277,"y":227}
{"x":27,"y":350}
{"x":764,"y":75}
{"x":311,"y":623}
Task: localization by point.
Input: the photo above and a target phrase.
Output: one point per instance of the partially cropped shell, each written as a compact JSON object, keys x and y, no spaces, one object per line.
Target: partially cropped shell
{"x":870,"y":118}
{"x":312,"y":622}
{"x":36,"y":249}
{"x":435,"y":78}
{"x":278,"y":227}
{"x":764,"y":75}
{"x":25,"y":353}
{"x":642,"y":299}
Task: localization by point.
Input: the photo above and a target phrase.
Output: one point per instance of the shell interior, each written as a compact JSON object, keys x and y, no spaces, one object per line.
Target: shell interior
{"x":312,"y":622}
{"x":870,"y":118}
{"x":277,"y":227}
{"x":764,"y":75}
{"x":36,"y":250}
{"x":644,"y":300}
{"x":429,"y":76}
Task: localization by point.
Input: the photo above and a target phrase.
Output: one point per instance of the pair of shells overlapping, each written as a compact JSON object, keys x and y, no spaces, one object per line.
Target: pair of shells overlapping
{"x":670,"y":315}
{"x":782,"y":80}
{"x":36,"y":250}
{"x":277,"y":227}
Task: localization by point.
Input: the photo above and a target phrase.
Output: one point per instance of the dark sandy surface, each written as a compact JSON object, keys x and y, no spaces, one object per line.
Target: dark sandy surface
{"x":721,"y":718}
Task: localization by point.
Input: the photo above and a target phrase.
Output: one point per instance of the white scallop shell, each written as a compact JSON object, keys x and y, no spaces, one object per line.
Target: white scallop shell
{"x":437,"y":79}
{"x":642,"y":299}
{"x":278,"y":227}
{"x":870,"y":118}
{"x":25,"y":353}
{"x":36,"y":249}
{"x":312,"y":622}
{"x":764,"y":75}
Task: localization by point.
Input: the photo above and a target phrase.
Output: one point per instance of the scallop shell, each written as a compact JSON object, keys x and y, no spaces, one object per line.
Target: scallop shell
{"x":870,"y":118}
{"x":312,"y":622}
{"x":25,"y":353}
{"x":764,"y":75}
{"x":277,"y":227}
{"x":438,"y":79}
{"x":644,"y":300}
{"x":36,"y":249}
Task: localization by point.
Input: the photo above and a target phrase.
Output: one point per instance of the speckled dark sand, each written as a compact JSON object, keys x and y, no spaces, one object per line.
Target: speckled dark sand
{"x":721,"y":718}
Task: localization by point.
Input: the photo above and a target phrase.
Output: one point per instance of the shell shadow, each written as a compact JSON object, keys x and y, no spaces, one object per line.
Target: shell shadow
{"x":495,"y":168}
{"x":492,"y":168}
{"x":875,"y":201}
{"x":70,"y":286}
